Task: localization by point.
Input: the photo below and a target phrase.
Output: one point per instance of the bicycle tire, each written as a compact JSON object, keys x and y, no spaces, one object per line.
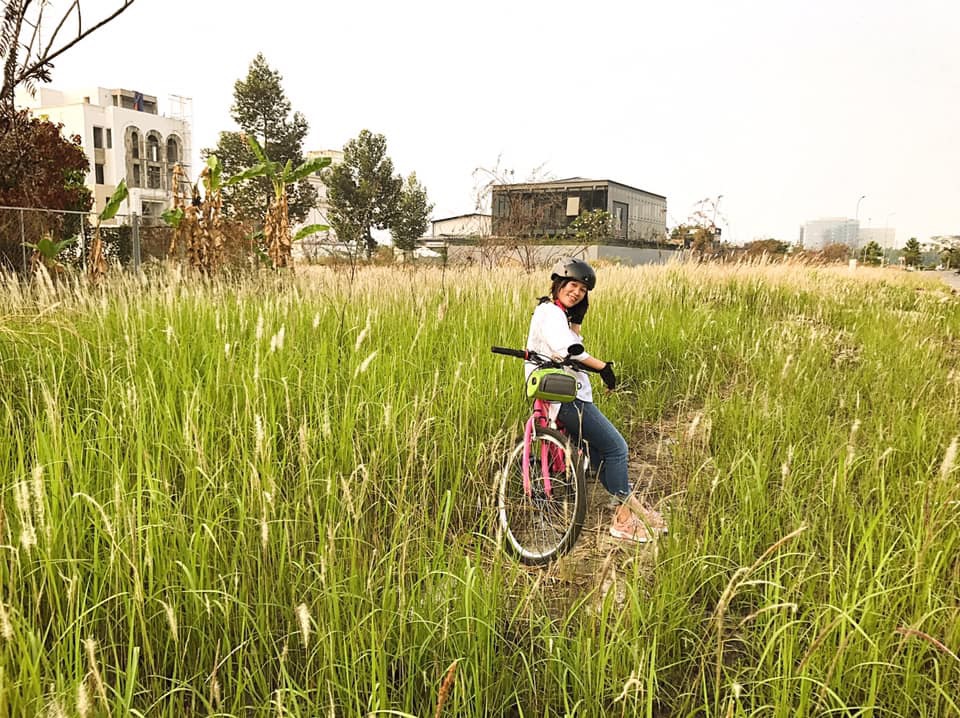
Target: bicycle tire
{"x":538,"y":528}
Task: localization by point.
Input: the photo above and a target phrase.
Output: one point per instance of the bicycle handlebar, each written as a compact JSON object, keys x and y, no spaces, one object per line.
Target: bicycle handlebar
{"x":541,"y":360}
{"x":510,"y":352}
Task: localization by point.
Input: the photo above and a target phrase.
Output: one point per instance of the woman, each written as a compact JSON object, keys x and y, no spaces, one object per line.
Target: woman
{"x":555,"y":326}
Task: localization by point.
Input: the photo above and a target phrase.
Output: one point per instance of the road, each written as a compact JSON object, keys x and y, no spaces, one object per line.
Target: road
{"x":951,"y":278}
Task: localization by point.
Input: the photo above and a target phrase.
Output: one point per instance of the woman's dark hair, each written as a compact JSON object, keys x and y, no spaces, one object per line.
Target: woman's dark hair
{"x":556,"y":286}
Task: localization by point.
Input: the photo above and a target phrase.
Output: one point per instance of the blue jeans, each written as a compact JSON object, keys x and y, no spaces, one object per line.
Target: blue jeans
{"x":607,"y":447}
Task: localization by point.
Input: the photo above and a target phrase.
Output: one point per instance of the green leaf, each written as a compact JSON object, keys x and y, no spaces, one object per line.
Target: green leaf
{"x":308,"y":230}
{"x":173,"y":217}
{"x":113,"y":204}
{"x":49,"y":249}
{"x":264,"y":257}
{"x":257,"y":149}
{"x":215,"y":178}
{"x":308,"y":168}
{"x":251,"y":172}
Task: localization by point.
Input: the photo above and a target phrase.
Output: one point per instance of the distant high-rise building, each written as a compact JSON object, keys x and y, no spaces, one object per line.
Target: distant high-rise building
{"x":818,"y":233}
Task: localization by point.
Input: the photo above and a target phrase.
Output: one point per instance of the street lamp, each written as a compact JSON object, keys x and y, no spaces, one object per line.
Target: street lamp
{"x":856,"y":219}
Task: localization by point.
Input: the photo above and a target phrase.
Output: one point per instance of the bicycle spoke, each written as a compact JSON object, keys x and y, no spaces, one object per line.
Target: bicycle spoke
{"x":540,"y":525}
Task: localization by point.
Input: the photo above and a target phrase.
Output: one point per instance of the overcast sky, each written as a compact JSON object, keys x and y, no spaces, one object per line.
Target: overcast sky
{"x":790,"y":111}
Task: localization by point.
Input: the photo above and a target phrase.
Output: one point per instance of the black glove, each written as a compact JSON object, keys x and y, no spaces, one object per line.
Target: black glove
{"x":578,"y":311}
{"x":609,"y":378}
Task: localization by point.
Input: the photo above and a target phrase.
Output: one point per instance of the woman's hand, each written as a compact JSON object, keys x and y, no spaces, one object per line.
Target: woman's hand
{"x":609,"y":378}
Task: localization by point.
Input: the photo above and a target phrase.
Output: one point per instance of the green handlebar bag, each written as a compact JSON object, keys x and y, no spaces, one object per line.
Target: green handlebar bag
{"x":552,"y":385}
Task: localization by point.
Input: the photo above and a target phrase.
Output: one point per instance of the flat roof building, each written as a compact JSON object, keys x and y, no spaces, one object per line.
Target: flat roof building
{"x":546,"y":209}
{"x":124,"y":137}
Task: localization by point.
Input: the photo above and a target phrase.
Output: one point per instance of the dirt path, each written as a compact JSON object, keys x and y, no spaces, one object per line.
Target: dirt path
{"x":597,"y":559}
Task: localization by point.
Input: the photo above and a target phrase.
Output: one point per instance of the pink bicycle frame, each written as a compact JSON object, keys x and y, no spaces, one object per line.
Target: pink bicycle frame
{"x":551,"y":458}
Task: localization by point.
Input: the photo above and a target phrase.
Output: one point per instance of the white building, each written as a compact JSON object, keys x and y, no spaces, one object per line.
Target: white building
{"x":124,"y":137}
{"x":461,"y":226}
{"x":318,"y":214}
{"x":818,"y":233}
{"x":941,"y":242}
{"x":886,"y":237}
{"x":322,"y":243}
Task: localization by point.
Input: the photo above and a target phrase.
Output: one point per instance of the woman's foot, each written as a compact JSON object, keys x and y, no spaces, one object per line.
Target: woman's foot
{"x":651,"y":518}
{"x":630,"y":529}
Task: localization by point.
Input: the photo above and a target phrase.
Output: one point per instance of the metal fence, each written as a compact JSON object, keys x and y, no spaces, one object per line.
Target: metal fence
{"x":128,"y":240}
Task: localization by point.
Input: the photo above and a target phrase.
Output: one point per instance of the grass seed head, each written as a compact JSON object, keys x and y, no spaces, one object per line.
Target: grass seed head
{"x":171,"y":620}
{"x":276,"y":341}
{"x":258,"y":435}
{"x":28,"y":534}
{"x":6,"y":628}
{"x":949,"y":459}
{"x":90,"y":646}
{"x":83,"y":699}
{"x":362,"y":335}
{"x":366,"y":363}
{"x":303,"y":618}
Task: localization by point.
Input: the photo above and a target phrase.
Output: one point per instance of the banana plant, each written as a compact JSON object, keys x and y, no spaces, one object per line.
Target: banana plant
{"x":276,"y":225}
{"x":47,"y":251}
{"x":96,"y":265}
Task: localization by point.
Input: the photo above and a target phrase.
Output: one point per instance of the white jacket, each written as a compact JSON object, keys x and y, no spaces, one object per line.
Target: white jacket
{"x":551,"y":335}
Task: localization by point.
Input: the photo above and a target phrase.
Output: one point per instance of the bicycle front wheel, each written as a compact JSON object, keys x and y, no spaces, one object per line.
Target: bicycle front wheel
{"x":543,"y":522}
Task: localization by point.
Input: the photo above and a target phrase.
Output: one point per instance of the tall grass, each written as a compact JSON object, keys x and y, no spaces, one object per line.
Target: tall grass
{"x":275,"y":498}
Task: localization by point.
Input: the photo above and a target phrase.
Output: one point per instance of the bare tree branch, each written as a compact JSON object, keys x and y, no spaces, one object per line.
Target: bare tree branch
{"x":81,"y":34}
{"x":37,"y":62}
{"x":63,"y":20}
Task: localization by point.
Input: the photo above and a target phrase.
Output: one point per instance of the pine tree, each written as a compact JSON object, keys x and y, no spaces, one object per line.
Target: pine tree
{"x":261,"y":109}
{"x":911,"y":252}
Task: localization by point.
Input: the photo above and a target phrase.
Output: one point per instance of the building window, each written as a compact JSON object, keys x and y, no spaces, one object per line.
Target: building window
{"x":620,"y":218}
{"x":98,"y":138}
{"x":135,"y":146}
{"x":173,"y":152}
{"x":98,"y":171}
{"x":136,"y":176}
{"x":109,"y":138}
{"x":153,"y":149}
{"x":153,"y":177}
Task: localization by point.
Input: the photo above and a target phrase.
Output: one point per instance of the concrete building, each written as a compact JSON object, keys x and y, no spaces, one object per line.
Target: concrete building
{"x":886,"y":237}
{"x":320,"y":211}
{"x":320,"y":244}
{"x":817,"y":234}
{"x":548,"y":208}
{"x":462,"y":226}
{"x":125,"y":137}
{"x":941,"y":242}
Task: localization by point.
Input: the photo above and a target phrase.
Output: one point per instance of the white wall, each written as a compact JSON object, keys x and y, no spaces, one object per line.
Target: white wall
{"x":470,"y":225}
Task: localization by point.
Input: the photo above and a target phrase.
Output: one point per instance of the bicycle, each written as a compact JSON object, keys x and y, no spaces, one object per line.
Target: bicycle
{"x":540,"y":513}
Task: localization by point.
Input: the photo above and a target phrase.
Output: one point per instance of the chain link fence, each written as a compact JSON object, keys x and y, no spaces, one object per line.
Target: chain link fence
{"x":128,"y":240}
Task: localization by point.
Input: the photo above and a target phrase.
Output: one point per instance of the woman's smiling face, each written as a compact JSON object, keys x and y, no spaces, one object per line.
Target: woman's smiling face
{"x":571,"y":293}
